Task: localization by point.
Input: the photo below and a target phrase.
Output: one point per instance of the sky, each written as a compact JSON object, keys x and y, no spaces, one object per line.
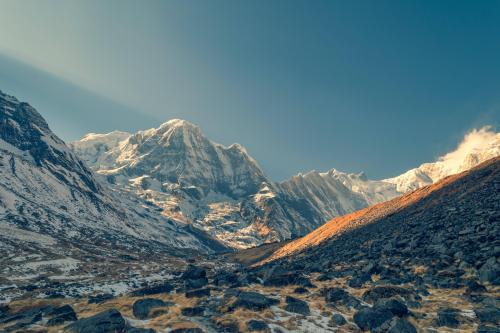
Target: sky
{"x":374,"y":86}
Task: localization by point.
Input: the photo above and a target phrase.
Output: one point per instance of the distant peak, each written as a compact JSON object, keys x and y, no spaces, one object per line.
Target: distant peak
{"x":173,"y":123}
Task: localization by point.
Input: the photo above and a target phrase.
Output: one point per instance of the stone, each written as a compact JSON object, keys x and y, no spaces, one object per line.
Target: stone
{"x":401,"y":325}
{"x":139,"y":330}
{"x":198,"y":293}
{"x":338,"y":319}
{"x":488,"y":314}
{"x":187,"y":330}
{"x":142,"y":308}
{"x":296,"y":305}
{"x":195,"y":283}
{"x":196,"y":311}
{"x":192,"y":273}
{"x":387,"y":291}
{"x":104,"y":322}
{"x":337,"y":296}
{"x":448,"y":317}
{"x":395,"y":306}
{"x":289,"y":278}
{"x":370,"y":318}
{"x":257,"y":325}
{"x":61,"y":315}
{"x":300,"y":290}
{"x":154,"y":290}
{"x":253,"y":301}
{"x":101,"y":298}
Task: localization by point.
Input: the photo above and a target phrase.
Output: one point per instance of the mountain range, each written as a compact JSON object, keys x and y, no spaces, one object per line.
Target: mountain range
{"x":223,"y":191}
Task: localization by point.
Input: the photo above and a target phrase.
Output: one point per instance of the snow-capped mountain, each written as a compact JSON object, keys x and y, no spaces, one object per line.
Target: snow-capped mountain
{"x":52,"y":204}
{"x":476,"y":147}
{"x":223,"y":191}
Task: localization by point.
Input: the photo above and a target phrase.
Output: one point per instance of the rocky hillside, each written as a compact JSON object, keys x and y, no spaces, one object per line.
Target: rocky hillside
{"x":424,"y":262}
{"x":54,"y":212}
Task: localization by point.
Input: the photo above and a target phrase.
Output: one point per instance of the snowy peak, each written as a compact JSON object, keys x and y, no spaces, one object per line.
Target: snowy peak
{"x":176,"y":152}
{"x":476,"y":147}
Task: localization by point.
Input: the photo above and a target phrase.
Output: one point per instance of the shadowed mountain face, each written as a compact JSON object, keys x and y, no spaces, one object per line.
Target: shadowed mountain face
{"x":53,"y":207}
{"x":453,"y":224}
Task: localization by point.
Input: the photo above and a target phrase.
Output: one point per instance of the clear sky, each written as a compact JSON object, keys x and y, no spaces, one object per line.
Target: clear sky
{"x":375,"y":86}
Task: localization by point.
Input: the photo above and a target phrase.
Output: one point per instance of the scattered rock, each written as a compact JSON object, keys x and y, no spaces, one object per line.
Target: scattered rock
{"x":338,"y":296}
{"x":254,"y":301}
{"x":107,"y":321}
{"x":193,"y":312}
{"x":101,"y":298}
{"x":187,"y":330}
{"x":196,"y":283}
{"x":370,"y":318}
{"x":393,"y":305}
{"x":300,"y":290}
{"x":488,"y":314}
{"x":198,"y":293}
{"x":141,"y":308}
{"x":257,"y":325}
{"x":192,"y":273}
{"x":61,"y":315}
{"x":296,"y":305}
{"x":448,"y":317}
{"x":387,"y":291}
{"x":153,"y":290}
{"x":338,"y":319}
{"x":286,"y":279}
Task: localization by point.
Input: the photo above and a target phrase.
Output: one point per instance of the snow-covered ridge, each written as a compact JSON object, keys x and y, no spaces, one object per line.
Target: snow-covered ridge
{"x":477,"y":146}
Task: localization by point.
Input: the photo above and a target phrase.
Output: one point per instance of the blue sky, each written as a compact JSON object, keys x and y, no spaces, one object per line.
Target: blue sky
{"x":375,"y":86}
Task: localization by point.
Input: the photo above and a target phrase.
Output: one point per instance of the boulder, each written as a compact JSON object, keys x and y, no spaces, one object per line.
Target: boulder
{"x":187,"y":330}
{"x":371,"y":318}
{"x":108,"y":321}
{"x":61,"y":315}
{"x":395,"y":306}
{"x":139,"y":330}
{"x":257,"y":325}
{"x":142,"y":308}
{"x":195,"y":283}
{"x":153,"y":290}
{"x":289,"y":278}
{"x":488,"y":314}
{"x":490,"y":272}
{"x":196,"y":311}
{"x":192,"y":273}
{"x":401,"y":325}
{"x":338,"y":320}
{"x":198,"y":293}
{"x":488,"y":329}
{"x":296,"y":305}
{"x":300,"y":290}
{"x":101,"y":298}
{"x":253,"y":301}
{"x":338,"y":296}
{"x":388,"y":291}
{"x":448,"y":317}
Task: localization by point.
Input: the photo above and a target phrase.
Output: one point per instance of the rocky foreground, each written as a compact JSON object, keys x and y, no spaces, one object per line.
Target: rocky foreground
{"x":427,"y":263}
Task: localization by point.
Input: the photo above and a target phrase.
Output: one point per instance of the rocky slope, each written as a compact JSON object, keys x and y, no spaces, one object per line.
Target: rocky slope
{"x":54,"y":212}
{"x":223,"y":191}
{"x":424,"y":262}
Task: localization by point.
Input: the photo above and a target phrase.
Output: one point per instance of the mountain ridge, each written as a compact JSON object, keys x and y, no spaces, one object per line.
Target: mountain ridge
{"x":257,"y":210}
